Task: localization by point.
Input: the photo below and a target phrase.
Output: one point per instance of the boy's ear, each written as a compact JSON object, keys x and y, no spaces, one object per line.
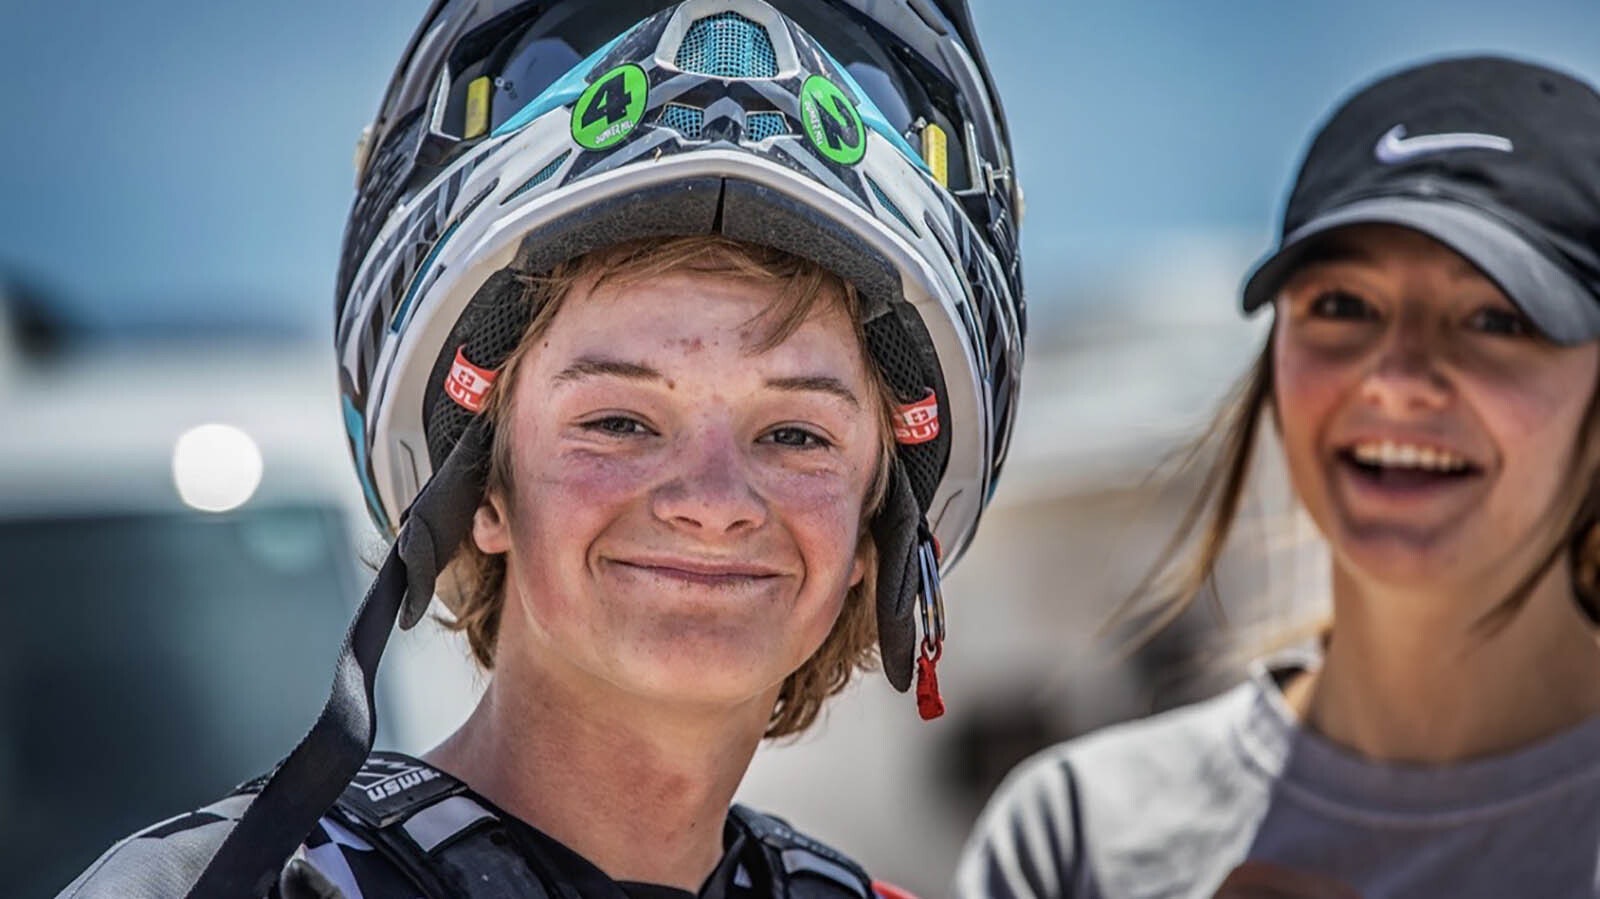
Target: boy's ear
{"x":866,"y":554}
{"x":490,"y":526}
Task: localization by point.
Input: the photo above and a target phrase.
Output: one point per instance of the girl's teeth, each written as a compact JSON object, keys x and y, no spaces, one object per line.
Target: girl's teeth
{"x":1389,"y":454}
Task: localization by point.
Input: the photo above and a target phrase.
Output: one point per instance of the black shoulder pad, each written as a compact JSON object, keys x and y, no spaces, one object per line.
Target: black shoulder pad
{"x":805,"y":860}
{"x":391,"y":785}
{"x":388,"y":788}
{"x":253,"y":785}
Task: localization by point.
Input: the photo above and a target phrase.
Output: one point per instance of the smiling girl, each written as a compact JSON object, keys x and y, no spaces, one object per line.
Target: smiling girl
{"x":1432,"y":373}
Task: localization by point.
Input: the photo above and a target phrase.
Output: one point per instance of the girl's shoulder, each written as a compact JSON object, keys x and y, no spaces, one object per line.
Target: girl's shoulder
{"x":1171,"y":759}
{"x":1147,"y":799}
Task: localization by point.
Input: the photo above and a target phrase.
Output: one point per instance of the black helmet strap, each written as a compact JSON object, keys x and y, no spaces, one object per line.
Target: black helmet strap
{"x":895,"y":531}
{"x":312,"y":776}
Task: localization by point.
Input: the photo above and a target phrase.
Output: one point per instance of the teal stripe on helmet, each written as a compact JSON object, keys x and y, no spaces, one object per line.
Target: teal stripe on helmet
{"x":356,"y":427}
{"x":416,"y":280}
{"x":539,"y":177}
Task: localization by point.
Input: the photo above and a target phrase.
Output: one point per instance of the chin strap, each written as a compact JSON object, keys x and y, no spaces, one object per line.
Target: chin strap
{"x":309,"y":780}
{"x":908,"y":589}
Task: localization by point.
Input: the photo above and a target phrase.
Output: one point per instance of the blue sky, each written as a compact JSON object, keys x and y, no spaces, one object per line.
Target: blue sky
{"x":182,"y":159}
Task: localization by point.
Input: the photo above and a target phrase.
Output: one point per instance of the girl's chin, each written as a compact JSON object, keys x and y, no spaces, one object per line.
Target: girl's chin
{"x":1401,"y":557}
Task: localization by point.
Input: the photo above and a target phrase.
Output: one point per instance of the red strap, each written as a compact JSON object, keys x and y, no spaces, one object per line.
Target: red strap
{"x":917,"y":422}
{"x":468,"y":384}
{"x":930,"y":704}
{"x":889,"y":891}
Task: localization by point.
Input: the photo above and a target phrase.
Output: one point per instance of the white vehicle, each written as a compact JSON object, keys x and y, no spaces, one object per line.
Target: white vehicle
{"x":181,"y":538}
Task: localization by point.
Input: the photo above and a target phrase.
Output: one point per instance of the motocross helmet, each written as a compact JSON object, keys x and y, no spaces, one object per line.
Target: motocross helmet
{"x":516,"y":136}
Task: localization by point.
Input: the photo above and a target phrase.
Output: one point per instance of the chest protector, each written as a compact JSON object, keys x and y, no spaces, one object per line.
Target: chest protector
{"x":451,"y":846}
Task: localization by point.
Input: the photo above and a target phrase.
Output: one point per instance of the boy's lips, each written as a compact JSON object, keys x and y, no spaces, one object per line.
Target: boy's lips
{"x":699,"y":570}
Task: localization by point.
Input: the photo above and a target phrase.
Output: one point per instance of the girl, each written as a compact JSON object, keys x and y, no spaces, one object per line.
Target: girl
{"x":1432,"y":373}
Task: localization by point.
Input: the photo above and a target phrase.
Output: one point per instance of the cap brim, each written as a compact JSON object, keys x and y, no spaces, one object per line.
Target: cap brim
{"x":1559,"y":305}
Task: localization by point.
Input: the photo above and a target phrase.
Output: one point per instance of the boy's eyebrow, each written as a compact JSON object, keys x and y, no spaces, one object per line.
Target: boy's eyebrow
{"x":817,"y":383}
{"x":590,"y":366}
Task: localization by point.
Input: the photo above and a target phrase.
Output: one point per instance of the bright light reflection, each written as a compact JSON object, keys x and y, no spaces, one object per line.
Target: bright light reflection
{"x":216,"y":467}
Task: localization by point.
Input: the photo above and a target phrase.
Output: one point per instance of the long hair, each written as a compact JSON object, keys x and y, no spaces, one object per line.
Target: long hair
{"x":1223,"y":454}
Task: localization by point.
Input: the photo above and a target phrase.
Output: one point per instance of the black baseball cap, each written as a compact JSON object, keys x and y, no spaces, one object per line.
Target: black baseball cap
{"x":1495,"y":158}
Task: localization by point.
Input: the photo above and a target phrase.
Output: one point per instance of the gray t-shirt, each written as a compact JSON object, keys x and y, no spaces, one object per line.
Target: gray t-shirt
{"x":1170,"y":805}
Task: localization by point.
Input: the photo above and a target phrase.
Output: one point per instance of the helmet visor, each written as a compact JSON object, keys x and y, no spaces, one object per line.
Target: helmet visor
{"x":500,"y":67}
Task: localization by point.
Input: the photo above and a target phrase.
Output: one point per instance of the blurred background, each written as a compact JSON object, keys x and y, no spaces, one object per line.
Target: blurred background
{"x":175,"y":176}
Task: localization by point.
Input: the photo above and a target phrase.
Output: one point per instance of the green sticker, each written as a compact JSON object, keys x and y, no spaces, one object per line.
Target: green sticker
{"x":610,"y":108}
{"x":831,"y":121}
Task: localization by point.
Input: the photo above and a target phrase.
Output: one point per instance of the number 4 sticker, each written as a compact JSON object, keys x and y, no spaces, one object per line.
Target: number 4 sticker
{"x":610,"y":108}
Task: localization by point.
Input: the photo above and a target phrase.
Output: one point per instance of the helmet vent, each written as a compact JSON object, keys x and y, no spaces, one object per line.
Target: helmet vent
{"x":686,"y":120}
{"x":762,"y":125}
{"x":539,"y":177}
{"x":727,"y":45}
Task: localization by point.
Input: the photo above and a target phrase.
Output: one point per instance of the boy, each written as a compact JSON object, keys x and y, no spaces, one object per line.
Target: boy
{"x":671,"y":341}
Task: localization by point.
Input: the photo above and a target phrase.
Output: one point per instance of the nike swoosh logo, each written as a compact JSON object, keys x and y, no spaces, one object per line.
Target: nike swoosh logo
{"x":1395,"y":147}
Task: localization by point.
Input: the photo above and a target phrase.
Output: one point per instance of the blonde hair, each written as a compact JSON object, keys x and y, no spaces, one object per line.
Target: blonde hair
{"x":1189,"y":560}
{"x":806,"y":289}
{"x":1178,"y":575}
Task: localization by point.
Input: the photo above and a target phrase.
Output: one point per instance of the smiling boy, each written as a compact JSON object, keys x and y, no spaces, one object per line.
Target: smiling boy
{"x":681,"y":396}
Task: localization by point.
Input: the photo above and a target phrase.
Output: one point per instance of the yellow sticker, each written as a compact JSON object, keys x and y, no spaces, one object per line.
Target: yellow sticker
{"x":935,"y":153}
{"x":477,"y":107}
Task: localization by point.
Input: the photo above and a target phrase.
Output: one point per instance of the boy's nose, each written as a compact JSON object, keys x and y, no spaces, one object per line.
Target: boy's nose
{"x":711,"y":492}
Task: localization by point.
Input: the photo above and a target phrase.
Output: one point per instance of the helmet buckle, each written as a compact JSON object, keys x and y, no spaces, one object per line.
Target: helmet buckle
{"x":930,"y":608}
